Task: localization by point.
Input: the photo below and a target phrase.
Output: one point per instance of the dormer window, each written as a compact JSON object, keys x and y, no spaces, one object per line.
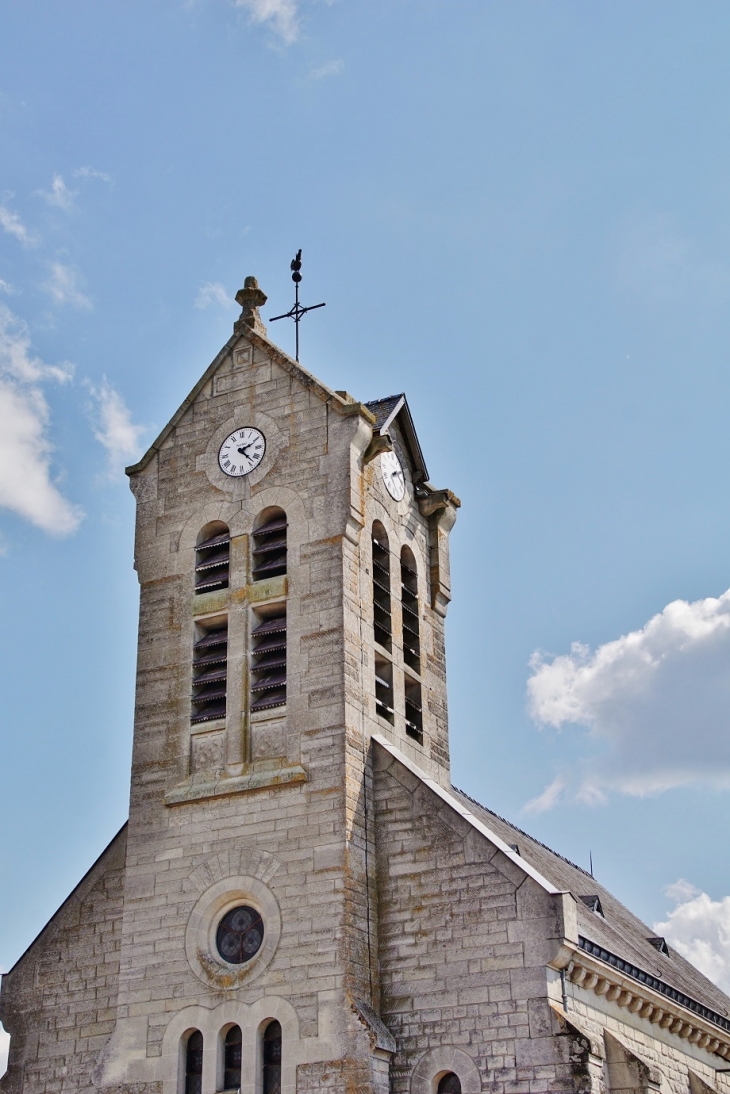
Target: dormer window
{"x":660,"y":944}
{"x":212,"y":557}
{"x":269,"y":544}
{"x":594,"y":903}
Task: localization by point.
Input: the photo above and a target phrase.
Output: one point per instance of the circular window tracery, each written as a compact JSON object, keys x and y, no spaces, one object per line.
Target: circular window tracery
{"x":240,"y":935}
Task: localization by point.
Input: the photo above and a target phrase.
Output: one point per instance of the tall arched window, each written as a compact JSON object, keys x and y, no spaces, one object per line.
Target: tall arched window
{"x":381,"y":587}
{"x":212,"y":557}
{"x":232,"y":1059}
{"x":449,"y":1084}
{"x":194,"y":1063}
{"x":382,"y":623}
{"x":269,"y":544}
{"x":409,"y":604}
{"x":411,"y":644}
{"x":272,"y":1059}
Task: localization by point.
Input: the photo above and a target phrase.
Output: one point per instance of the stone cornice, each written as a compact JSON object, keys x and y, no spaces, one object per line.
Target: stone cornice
{"x":622,"y":987}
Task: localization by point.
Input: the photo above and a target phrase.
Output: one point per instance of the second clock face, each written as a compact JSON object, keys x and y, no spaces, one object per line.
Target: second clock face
{"x":242,"y":451}
{"x":393,"y":476}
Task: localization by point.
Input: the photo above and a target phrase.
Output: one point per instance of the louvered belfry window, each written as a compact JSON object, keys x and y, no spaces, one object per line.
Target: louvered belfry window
{"x":210,"y":663}
{"x":212,"y":558}
{"x":409,"y":604}
{"x":414,"y":712}
{"x":269,"y":545}
{"x":382,"y":622}
{"x":268,"y":658}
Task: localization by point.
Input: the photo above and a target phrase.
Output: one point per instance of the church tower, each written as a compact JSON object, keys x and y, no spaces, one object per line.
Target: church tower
{"x":301,"y":901}
{"x":294,"y":577}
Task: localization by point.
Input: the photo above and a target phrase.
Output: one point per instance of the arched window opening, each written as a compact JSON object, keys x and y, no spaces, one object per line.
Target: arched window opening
{"x":268,"y":657}
{"x":381,"y":588}
{"x":232,"y":1059}
{"x":269,"y":544}
{"x":272,"y":1059}
{"x":382,"y":623}
{"x":409,"y":604}
{"x":449,"y":1084}
{"x":210,"y":671}
{"x":194,"y":1063}
{"x":212,"y":557}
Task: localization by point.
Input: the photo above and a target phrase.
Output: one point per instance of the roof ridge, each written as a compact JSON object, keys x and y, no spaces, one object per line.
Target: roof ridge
{"x":523,"y":833}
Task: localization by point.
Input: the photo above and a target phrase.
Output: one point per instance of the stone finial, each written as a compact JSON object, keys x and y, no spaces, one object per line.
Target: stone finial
{"x":251,"y":298}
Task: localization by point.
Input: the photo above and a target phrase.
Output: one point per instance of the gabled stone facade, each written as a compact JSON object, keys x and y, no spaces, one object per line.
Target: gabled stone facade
{"x":410,"y":939}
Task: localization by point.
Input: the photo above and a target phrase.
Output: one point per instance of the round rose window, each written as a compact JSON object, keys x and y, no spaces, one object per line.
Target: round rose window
{"x":239,"y":935}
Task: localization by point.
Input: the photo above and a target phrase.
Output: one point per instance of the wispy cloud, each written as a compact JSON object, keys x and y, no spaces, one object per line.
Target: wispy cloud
{"x":91,"y":173}
{"x":26,"y":486}
{"x":59,"y":194}
{"x":331,"y":68}
{"x":698,"y":927}
{"x":280,"y":15}
{"x":654,"y":705}
{"x":114,"y":428}
{"x":13,"y":225}
{"x":6,"y":287}
{"x":212,"y":292}
{"x":62,"y":285}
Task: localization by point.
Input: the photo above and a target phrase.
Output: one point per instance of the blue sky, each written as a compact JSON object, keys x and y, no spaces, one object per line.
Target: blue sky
{"x":518,"y":213}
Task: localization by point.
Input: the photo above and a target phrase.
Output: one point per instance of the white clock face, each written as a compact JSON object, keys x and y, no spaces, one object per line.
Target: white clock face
{"x":242,"y":451}
{"x":393,"y":476}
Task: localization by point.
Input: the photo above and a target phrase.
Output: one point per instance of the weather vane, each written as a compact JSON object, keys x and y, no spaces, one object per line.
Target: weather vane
{"x":297,"y":311}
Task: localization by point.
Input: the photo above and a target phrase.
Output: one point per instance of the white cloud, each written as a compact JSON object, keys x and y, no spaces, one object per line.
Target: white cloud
{"x":5,"y":286}
{"x":212,"y":292}
{"x":699,"y":929}
{"x":656,"y":702}
{"x":280,"y":15}
{"x":26,"y":486}
{"x":13,"y":225}
{"x":91,"y":173}
{"x":63,"y":286}
{"x":59,"y":194}
{"x":4,"y":1046}
{"x":114,"y":428}
{"x":331,"y":68}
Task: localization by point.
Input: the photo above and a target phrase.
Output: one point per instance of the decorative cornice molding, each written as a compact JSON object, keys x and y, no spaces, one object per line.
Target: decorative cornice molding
{"x":595,"y":969}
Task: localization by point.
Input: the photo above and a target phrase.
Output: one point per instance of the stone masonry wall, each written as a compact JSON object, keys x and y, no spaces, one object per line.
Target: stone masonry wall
{"x":463,"y":940}
{"x":59,"y":1002}
{"x":668,"y":1059}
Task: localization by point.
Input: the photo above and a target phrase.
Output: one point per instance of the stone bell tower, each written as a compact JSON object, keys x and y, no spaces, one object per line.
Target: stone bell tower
{"x":293,"y":566}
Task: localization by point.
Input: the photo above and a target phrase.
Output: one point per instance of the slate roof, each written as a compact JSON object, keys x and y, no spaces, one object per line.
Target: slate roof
{"x":618,"y":931}
{"x":383,"y":408}
{"x":395,"y":408}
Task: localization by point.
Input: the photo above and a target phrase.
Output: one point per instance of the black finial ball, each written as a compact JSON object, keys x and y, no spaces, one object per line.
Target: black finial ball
{"x":296,"y":277}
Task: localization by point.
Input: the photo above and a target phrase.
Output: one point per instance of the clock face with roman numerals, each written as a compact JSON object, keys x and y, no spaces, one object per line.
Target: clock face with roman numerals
{"x":242,"y":451}
{"x":393,"y":477}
